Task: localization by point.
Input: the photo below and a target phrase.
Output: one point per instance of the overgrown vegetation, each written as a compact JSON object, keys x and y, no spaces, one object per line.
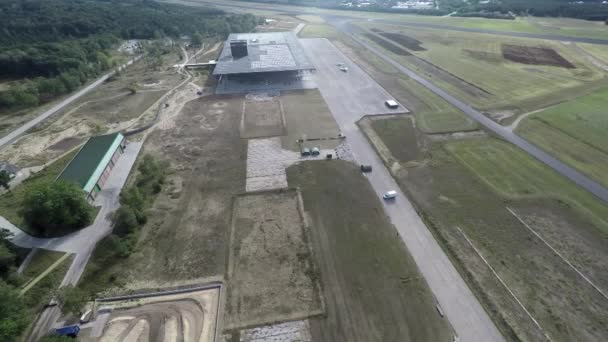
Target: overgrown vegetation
{"x":134,"y":201}
{"x":56,"y":207}
{"x":10,"y":202}
{"x":13,"y":317}
{"x":58,"y":45}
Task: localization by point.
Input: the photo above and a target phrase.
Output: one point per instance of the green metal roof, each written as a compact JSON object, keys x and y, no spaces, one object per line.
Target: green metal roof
{"x":88,"y":164}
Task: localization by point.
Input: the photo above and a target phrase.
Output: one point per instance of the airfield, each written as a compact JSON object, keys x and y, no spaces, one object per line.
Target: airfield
{"x":496,"y":150}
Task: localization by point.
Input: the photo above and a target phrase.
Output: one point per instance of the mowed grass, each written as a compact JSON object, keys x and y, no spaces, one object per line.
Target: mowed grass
{"x":514,"y":174}
{"x":437,"y":116}
{"x":10,"y":202}
{"x":575,"y":132}
{"x":477,"y":59}
{"x":318,"y":31}
{"x":371,"y":285}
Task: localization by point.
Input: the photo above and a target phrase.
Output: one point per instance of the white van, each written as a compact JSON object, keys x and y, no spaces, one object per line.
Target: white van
{"x":391,"y":104}
{"x":389,"y":195}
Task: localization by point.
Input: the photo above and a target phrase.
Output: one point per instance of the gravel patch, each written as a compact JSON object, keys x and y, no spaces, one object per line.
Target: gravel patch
{"x":267,"y":161}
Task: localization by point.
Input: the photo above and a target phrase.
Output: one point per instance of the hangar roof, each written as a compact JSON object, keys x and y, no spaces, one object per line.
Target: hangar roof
{"x":266,"y":52}
{"x":88,"y":164}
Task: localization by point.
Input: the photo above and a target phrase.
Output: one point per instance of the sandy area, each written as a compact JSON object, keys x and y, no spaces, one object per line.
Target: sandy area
{"x":178,"y":317}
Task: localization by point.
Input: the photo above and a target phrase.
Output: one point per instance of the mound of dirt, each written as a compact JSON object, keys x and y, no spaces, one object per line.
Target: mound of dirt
{"x":389,"y":46}
{"x":534,"y":55}
{"x":407,"y":41}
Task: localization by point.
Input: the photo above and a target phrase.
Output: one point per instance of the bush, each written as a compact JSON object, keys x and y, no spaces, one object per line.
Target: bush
{"x":13,"y":316}
{"x":56,"y":207}
{"x":73,"y":299}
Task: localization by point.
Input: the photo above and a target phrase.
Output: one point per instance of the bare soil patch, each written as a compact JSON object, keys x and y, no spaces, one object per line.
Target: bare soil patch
{"x":65,"y":144}
{"x":262,"y":118}
{"x":534,"y":55}
{"x":189,"y":316}
{"x":399,"y":38}
{"x":387,"y":45}
{"x":268,"y":233}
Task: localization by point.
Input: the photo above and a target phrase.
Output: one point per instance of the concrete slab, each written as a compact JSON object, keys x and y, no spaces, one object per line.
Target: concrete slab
{"x":353,"y":89}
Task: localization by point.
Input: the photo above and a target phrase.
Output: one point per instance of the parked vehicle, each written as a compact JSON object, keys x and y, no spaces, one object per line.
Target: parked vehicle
{"x":86,"y":316}
{"x":71,"y":331}
{"x":392,"y":104}
{"x":366,"y":168}
{"x":305,"y":151}
{"x":390,"y":195}
{"x":343,"y":68}
{"x":315,"y":151}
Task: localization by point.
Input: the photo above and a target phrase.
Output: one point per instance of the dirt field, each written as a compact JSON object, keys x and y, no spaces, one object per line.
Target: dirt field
{"x":268,"y":233}
{"x":262,"y":117}
{"x":389,"y":46}
{"x":186,"y":236}
{"x":534,"y":55}
{"x":180,"y":317}
{"x":406,"y":41}
{"x":371,"y":285}
{"x":469,"y":194}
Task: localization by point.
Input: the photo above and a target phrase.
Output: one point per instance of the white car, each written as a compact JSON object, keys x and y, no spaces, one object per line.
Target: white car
{"x":345,"y":69}
{"x":389,"y":195}
{"x":392,"y":104}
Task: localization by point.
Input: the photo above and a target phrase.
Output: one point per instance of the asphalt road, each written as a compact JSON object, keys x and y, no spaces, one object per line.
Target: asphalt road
{"x":461,"y":307}
{"x":13,"y":135}
{"x":577,"y":177}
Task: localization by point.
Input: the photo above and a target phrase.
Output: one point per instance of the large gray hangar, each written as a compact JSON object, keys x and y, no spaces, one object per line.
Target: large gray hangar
{"x":262,"y":61}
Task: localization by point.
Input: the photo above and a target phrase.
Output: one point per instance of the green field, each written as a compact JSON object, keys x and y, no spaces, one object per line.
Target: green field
{"x":437,"y":116}
{"x":465,"y":187}
{"x":318,"y":31}
{"x":373,"y":290}
{"x":514,"y":174}
{"x":575,"y":132}
{"x":481,"y":76}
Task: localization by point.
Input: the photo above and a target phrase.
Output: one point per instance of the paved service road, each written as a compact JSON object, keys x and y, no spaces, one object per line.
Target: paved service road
{"x":13,"y":135}
{"x":577,"y":177}
{"x":461,"y":307}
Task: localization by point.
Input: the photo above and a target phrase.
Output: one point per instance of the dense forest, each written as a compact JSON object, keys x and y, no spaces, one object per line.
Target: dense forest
{"x":60,"y":44}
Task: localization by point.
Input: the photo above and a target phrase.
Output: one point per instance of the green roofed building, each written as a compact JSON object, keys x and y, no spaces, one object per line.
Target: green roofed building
{"x":91,"y":166}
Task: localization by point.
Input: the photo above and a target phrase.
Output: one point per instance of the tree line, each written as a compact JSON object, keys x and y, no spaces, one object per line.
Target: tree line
{"x":54,"y":46}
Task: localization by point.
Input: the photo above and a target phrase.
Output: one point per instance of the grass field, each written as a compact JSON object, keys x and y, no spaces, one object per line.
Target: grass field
{"x":318,"y":31}
{"x":307,"y":115}
{"x":494,"y":162}
{"x":472,"y":67}
{"x":433,"y":114}
{"x":464,"y":187}
{"x":575,"y":132}
{"x":372,"y":287}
